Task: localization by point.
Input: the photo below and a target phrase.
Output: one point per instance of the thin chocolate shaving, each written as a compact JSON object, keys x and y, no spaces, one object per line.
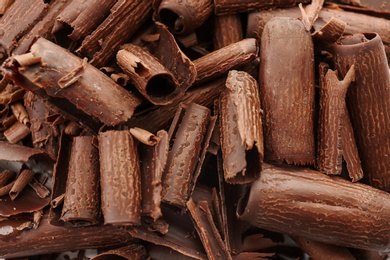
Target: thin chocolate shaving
{"x":39,"y":188}
{"x":20,"y":113}
{"x":21,"y":181}
{"x":16,"y":132}
{"x":19,"y":153}
{"x":131,"y":252}
{"x":310,"y":13}
{"x":331,"y":31}
{"x":5,"y":176}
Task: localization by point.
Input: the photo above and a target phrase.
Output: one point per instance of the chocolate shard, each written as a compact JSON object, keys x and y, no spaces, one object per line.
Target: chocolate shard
{"x":285,"y":199}
{"x":130,"y":252}
{"x":241,"y":128}
{"x":287,"y":92}
{"x":184,"y":155}
{"x":207,"y":231}
{"x":183,"y":17}
{"x":82,"y":17}
{"x":153,"y":160}
{"x":78,"y":89}
{"x":368,"y":101}
{"x":120,"y":178}
{"x":227,"y":30}
{"x":105,"y":40}
{"x":82,"y":196}
{"x":47,"y":239}
{"x":240,"y":6}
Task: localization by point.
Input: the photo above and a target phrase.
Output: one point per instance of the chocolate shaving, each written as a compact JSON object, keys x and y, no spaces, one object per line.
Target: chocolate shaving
{"x":16,"y":132}
{"x":131,"y":252}
{"x":227,"y":30}
{"x":18,"y":153}
{"x":39,"y":188}
{"x":21,"y":181}
{"x":5,"y":176}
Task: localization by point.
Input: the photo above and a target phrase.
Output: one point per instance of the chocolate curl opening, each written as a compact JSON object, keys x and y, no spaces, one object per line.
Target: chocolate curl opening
{"x":160,"y":86}
{"x":174,"y":21}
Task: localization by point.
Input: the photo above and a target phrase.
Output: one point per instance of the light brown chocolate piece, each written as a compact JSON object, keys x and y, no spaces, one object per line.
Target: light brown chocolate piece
{"x":16,"y":132}
{"x":227,"y":30}
{"x":5,"y":176}
{"x":21,"y":181}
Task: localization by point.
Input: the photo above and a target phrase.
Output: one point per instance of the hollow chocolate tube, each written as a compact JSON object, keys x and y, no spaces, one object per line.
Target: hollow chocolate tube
{"x":368,"y":102}
{"x":306,"y":203}
{"x":286,"y":79}
{"x":241,"y":128}
{"x":183,"y":17}
{"x":120,"y":179}
{"x":82,"y":196}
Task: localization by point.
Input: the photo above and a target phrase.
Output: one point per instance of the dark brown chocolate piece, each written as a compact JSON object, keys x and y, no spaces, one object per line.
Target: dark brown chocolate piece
{"x":82,"y":17}
{"x":368,"y":101}
{"x":120,"y":178}
{"x":219,"y":62}
{"x":82,"y":196}
{"x":153,"y":160}
{"x":131,"y":252}
{"x":287,"y":92}
{"x":183,"y":17}
{"x":227,"y":30}
{"x":21,"y":181}
{"x":19,"y":153}
{"x":78,"y":89}
{"x":240,"y":6}
{"x":104,"y":41}
{"x":39,"y":188}
{"x":5,"y":176}
{"x":16,"y":132}
{"x":165,"y":253}
{"x":306,"y":203}
{"x":207,"y":231}
{"x":10,"y":95}
{"x":184,"y":155}
{"x":241,"y":128}
{"x":48,"y":239}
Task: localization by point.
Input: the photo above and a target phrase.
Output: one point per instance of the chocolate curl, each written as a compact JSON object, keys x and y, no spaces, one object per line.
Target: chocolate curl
{"x":287,"y":94}
{"x":184,"y":155}
{"x":131,"y":252}
{"x":5,"y":189}
{"x":368,"y":102}
{"x":82,"y":17}
{"x":72,"y":128}
{"x":331,"y":31}
{"x":241,"y":129}
{"x":5,"y":176}
{"x":322,"y":251}
{"x":16,"y":132}
{"x":4,"y":5}
{"x":219,"y":62}
{"x":227,"y":30}
{"x":20,"y":113}
{"x":18,"y":153}
{"x":120,"y":78}
{"x":120,"y":178}
{"x":241,"y":6}
{"x":79,"y":90}
{"x":153,"y":160}
{"x":207,"y":231}
{"x":183,"y":17}
{"x":333,"y":124}
{"x":19,"y":19}
{"x":47,"y":239}
{"x":21,"y":181}
{"x":39,"y":188}
{"x":284,"y":199}
{"x":310,"y":13}
{"x":105,"y":40}
{"x":82,"y":197}
{"x":144,"y":136}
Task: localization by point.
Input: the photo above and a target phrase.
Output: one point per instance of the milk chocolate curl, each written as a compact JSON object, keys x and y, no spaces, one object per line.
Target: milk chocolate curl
{"x":82,"y":17}
{"x":77,"y":89}
{"x":82,"y":197}
{"x":241,"y":128}
{"x":21,"y":181}
{"x":5,"y":176}
{"x":184,"y":155}
{"x":16,"y":132}
{"x":227,"y":30}
{"x":286,"y":79}
{"x":144,"y":136}
{"x":120,"y":178}
{"x":4,"y":5}
{"x":131,"y":252}
{"x":105,"y":40}
{"x":368,"y":102}
{"x":241,"y":6}
{"x":306,"y":203}
{"x":183,"y":17}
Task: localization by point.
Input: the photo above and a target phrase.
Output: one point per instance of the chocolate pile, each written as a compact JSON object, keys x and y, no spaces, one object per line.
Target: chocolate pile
{"x":167,"y":129}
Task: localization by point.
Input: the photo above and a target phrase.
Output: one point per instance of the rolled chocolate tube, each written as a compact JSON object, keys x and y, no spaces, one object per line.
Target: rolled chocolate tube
{"x":306,"y":203}
{"x":76,"y":88}
{"x":287,"y":91}
{"x":227,"y":30}
{"x":5,"y":176}
{"x":241,"y":6}
{"x":16,"y":132}
{"x":21,"y":181}
{"x":241,"y":129}
{"x":47,"y":239}
{"x":184,"y":155}
{"x":368,"y":102}
{"x":82,"y":17}
{"x":104,"y":41}
{"x":183,"y":17}
{"x":120,"y":179}
{"x":82,"y":196}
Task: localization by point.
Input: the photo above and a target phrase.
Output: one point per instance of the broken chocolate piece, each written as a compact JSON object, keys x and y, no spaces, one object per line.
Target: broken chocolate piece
{"x":241,"y":128}
{"x":287,"y":92}
{"x":120,"y":178}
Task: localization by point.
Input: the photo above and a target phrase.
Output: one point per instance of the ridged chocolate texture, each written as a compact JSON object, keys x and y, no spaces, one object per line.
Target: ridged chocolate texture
{"x":312,"y":205}
{"x":184,"y":155}
{"x":241,"y":128}
{"x":286,"y":79}
{"x":120,"y":179}
{"x":82,"y":197}
{"x":227,"y":30}
{"x":368,"y":102}
{"x":184,"y":16}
